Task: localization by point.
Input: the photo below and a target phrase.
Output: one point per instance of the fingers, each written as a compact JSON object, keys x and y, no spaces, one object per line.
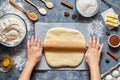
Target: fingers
{"x":90,"y":39}
{"x":32,"y":39}
{"x":28,"y":44}
{"x":39,"y":42}
{"x":93,"y":42}
{"x":35,"y":41}
{"x":100,"y":50}
{"x":36,"y":38}
{"x":98,"y":41}
{"x":89,"y":43}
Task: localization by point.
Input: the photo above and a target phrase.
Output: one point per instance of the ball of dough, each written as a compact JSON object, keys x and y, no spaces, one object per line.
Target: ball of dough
{"x":109,"y":77}
{"x":115,"y":73}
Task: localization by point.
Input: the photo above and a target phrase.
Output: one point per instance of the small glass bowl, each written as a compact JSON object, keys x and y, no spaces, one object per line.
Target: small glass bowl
{"x":2,"y":58}
{"x":111,"y":44}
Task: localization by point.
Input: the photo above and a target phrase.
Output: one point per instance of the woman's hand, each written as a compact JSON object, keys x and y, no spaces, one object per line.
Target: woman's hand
{"x":34,"y":49}
{"x":92,"y":55}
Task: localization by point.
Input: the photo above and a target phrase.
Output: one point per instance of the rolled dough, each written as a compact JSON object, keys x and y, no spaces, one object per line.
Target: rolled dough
{"x":64,"y":58}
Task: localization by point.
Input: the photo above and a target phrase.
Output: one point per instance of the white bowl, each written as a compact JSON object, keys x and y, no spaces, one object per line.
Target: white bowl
{"x":87,"y":15}
{"x":25,"y":27}
{"x":109,"y":41}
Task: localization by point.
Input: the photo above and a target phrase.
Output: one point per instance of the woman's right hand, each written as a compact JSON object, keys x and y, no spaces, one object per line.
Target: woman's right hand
{"x":92,"y":55}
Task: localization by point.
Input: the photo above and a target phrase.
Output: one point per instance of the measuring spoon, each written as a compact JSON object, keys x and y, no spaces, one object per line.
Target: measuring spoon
{"x":48,"y":4}
{"x":39,"y":8}
{"x":30,"y":14}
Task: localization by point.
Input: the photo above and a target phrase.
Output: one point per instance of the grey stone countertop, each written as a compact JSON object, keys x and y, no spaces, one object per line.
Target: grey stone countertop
{"x":56,"y":14}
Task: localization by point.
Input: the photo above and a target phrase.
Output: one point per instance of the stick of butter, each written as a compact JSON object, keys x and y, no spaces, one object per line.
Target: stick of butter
{"x":112,"y":20}
{"x":113,"y":15}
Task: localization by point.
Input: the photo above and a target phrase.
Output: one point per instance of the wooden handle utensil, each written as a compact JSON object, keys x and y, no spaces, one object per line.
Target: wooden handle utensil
{"x":64,"y":45}
{"x":30,"y":14}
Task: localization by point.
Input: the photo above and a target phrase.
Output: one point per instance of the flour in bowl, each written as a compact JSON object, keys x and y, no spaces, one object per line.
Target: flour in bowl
{"x":12,"y":30}
{"x":87,"y":7}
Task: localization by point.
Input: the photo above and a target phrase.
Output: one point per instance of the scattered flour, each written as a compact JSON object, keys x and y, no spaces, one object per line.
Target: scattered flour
{"x":19,"y":60}
{"x":96,"y":28}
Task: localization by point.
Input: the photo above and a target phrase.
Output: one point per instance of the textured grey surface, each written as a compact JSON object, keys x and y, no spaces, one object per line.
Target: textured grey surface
{"x":54,"y":15}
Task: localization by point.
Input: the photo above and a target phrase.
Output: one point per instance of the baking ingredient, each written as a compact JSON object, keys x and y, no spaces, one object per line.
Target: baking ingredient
{"x":39,"y":8}
{"x":112,"y":19}
{"x":67,"y":4}
{"x":66,"y":13}
{"x":87,"y":7}
{"x":13,"y":31}
{"x":64,"y":58}
{"x":112,"y":55}
{"x":74,"y":16}
{"x":30,"y":14}
{"x":42,"y":11}
{"x":48,"y":4}
{"x":6,"y":63}
{"x":115,"y":73}
{"x":114,"y":40}
{"x":108,"y":33}
{"x":107,"y":61}
{"x":109,"y":77}
{"x":96,"y":28}
{"x":112,"y":15}
{"x":104,"y":15}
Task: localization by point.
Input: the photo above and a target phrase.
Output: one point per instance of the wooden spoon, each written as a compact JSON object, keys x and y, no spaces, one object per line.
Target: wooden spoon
{"x":39,"y":8}
{"x":30,"y":14}
{"x":48,"y":4}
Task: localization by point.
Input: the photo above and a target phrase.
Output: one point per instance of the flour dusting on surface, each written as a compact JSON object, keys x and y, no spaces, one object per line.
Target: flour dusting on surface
{"x":96,"y":28}
{"x":19,"y":60}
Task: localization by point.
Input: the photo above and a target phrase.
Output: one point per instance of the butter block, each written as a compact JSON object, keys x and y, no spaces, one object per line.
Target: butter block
{"x":112,"y":24}
{"x":112,"y":15}
{"x":111,"y":20}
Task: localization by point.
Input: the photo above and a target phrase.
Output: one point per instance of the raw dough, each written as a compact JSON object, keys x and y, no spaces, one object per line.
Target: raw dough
{"x":64,"y":58}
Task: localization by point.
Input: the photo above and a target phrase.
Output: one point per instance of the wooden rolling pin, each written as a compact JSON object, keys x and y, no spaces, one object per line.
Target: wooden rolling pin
{"x":64,"y":45}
